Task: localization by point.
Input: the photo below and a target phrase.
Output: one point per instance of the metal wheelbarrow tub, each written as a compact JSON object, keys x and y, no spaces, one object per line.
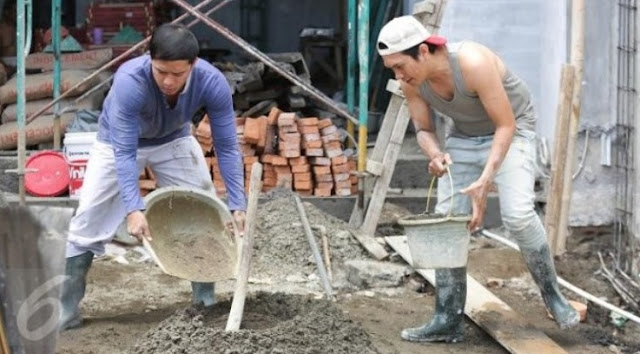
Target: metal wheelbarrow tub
{"x":190,"y":236}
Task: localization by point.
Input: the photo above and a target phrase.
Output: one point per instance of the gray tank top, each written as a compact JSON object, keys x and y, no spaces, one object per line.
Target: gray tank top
{"x":466,"y":110}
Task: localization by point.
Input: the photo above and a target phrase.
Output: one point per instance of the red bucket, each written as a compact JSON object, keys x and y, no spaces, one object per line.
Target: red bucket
{"x":76,"y":176}
{"x":49,"y":178}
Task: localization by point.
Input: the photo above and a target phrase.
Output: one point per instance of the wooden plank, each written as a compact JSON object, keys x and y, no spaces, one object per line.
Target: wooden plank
{"x":493,"y":315}
{"x":244,"y":265}
{"x":558,"y":165}
{"x":381,"y":184}
{"x":577,"y":60}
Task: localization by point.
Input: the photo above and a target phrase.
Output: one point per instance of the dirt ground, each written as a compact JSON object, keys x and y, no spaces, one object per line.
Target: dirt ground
{"x":129,"y":308}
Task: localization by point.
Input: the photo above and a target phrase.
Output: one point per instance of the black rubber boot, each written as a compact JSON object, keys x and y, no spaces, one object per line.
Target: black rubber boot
{"x":447,"y":325}
{"x":542,"y":270}
{"x":73,"y":289}
{"x":203,"y":294}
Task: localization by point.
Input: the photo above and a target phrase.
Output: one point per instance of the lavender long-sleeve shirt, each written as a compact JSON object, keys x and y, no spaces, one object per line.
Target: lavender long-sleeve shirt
{"x":136,"y":114}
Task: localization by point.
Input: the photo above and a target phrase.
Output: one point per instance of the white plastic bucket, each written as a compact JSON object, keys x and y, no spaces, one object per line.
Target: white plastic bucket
{"x":77,"y":147}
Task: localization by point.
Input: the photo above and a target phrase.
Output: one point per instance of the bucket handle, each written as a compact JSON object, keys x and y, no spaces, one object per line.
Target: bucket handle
{"x":433,"y":180}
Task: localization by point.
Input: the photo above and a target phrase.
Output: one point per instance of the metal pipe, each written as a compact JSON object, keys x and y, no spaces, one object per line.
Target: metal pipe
{"x":20,"y":90}
{"x":55,"y":43}
{"x":568,"y":285}
{"x":314,"y":247}
{"x":363,"y":60}
{"x":351,"y":62}
{"x":225,"y":32}
{"x":117,"y":59}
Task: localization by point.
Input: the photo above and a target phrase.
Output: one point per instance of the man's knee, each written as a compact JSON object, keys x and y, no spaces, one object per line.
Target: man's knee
{"x":517,"y":222}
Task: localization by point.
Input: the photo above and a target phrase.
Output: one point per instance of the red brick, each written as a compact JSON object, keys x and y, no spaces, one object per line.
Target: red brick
{"x":306,"y":185}
{"x":302,"y":160}
{"x":317,"y":144}
{"x":268,"y":167}
{"x":267,"y":158}
{"x":285,"y":183}
{"x":314,"y":152}
{"x":286,"y":119}
{"x":289,"y":145}
{"x":240,"y":121}
{"x":269,"y":182}
{"x":333,"y":145}
{"x":308,"y":129}
{"x":282,"y":170}
{"x":272,"y":119}
{"x":321,"y":161}
{"x":353,"y":164}
{"x":252,"y":130}
{"x":240,"y":130}
{"x":321,"y":170}
{"x":247,"y":150}
{"x":262,"y":141}
{"x":324,"y":178}
{"x":241,"y":140}
{"x":343,"y":184}
{"x":300,"y":168}
{"x":302,"y":176}
{"x":322,"y":192}
{"x":305,"y":193}
{"x":344,"y":168}
{"x":269,"y":174}
{"x":308,"y":121}
{"x":290,"y":153}
{"x":249,"y":160}
{"x":279,"y":161}
{"x":343,"y":192}
{"x":341,"y":177}
{"x":331,"y":137}
{"x":339,"y":160}
{"x":333,"y":153}
{"x":310,"y":137}
{"x":287,"y":129}
{"x":323,"y":123}
{"x":353,"y":179}
{"x":354,"y":189}
{"x":292,"y":137}
{"x":325,"y":185}
{"x":329,"y":130}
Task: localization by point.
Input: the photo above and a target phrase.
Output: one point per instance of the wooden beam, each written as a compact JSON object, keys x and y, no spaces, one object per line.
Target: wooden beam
{"x":558,"y":165}
{"x":493,"y":315}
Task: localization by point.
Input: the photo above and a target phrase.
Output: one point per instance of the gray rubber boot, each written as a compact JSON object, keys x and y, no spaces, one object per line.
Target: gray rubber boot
{"x":203,"y":294}
{"x":447,"y":324}
{"x":543,"y":271}
{"x":73,"y":290}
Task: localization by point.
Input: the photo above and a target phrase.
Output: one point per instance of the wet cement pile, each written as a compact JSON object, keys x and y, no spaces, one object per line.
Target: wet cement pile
{"x":272,"y":323}
{"x":281,"y":247}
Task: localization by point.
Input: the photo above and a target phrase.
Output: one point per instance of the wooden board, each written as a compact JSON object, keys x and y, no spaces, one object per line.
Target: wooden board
{"x":493,"y":315}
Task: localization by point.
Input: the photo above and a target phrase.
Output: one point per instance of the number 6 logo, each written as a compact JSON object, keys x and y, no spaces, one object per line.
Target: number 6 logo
{"x":35,"y":302}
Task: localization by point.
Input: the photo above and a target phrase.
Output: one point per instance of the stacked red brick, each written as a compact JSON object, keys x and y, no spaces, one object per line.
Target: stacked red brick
{"x":307,"y":157}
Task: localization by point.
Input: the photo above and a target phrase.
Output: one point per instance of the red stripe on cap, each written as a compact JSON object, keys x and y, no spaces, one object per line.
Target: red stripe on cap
{"x":436,"y":40}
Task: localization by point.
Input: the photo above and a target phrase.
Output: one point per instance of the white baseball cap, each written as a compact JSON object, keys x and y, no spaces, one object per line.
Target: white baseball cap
{"x":404,"y":32}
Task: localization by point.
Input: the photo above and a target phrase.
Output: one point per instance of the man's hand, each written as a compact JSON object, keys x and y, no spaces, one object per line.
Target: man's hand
{"x":438,"y":165}
{"x":240,"y":216}
{"x":137,"y":225}
{"x":477,"y":191}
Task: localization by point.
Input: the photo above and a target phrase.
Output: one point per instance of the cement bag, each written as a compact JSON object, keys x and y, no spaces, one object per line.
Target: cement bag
{"x":91,"y":102}
{"x":41,"y":85}
{"x":87,"y":60}
{"x":37,"y":132}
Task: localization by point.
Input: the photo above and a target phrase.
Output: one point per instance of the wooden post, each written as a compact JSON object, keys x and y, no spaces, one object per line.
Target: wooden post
{"x":237,"y":306}
{"x":577,"y":60}
{"x":558,"y":166}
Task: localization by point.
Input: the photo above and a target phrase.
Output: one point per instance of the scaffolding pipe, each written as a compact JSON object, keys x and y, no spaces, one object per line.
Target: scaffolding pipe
{"x":55,"y":43}
{"x":567,"y":285}
{"x":234,"y":38}
{"x":352,"y":60}
{"x":23,"y":8}
{"x":117,"y":59}
{"x":363,"y":60}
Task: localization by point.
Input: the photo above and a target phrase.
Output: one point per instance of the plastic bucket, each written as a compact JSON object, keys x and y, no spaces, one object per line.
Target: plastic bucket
{"x":436,"y":240}
{"x":77,"y":147}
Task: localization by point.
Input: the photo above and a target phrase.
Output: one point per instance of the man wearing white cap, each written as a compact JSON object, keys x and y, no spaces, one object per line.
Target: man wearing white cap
{"x":492,"y":141}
